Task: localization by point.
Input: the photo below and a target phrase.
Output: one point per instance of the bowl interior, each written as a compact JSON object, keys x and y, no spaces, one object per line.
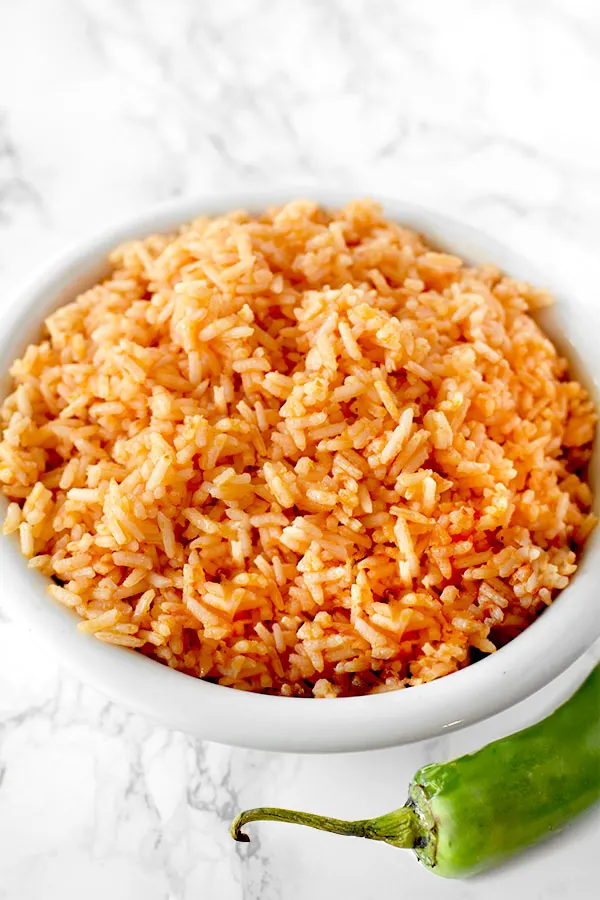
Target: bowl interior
{"x":532,"y":659}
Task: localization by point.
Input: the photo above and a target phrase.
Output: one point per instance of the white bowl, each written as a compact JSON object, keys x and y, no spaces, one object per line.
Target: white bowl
{"x":541,"y":653}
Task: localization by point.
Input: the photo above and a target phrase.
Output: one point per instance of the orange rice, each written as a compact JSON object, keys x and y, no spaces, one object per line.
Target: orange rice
{"x":299,"y":453}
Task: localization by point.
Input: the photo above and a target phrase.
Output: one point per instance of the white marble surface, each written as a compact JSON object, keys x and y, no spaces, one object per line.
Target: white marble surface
{"x":485,"y":110}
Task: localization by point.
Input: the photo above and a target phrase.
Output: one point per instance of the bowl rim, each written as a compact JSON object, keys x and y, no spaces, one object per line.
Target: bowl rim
{"x":534,"y":658}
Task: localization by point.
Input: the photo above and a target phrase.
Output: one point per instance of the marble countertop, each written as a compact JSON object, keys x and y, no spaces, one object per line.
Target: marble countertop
{"x":480,"y":110}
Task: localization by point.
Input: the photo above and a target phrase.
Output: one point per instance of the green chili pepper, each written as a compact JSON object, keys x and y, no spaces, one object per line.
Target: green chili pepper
{"x":469,"y":814}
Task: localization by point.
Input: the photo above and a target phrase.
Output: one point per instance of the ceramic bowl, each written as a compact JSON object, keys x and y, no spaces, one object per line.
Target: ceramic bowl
{"x":535,"y":657}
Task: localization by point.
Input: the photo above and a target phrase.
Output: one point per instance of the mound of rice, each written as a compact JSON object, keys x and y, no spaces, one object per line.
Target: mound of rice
{"x":299,"y":453}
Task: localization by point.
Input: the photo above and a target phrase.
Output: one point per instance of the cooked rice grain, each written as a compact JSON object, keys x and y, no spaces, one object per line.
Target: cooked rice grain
{"x":300,"y":453}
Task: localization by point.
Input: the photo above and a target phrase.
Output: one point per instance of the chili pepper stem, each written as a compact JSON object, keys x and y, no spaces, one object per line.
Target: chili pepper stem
{"x":399,"y":828}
